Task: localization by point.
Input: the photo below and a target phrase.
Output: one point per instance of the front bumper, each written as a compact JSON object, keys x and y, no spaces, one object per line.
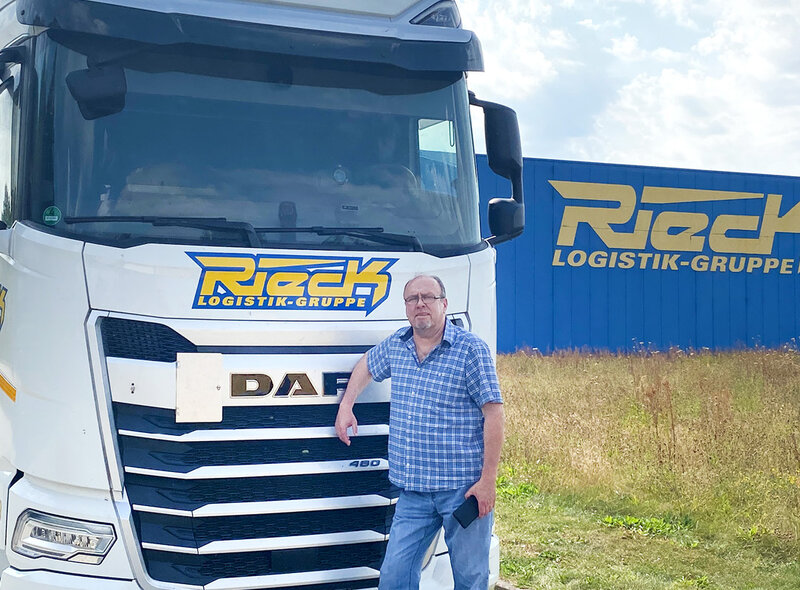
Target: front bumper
{"x":436,"y":577}
{"x":13,"y":579}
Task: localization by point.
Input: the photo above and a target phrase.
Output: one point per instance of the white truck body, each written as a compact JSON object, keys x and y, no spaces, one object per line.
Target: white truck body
{"x":194,"y":252}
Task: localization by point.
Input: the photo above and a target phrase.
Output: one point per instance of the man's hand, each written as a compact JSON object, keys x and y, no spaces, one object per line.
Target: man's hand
{"x":486,"y":492}
{"x":345,"y":419}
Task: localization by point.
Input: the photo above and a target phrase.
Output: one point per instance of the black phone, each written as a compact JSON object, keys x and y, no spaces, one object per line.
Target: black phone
{"x":467,"y":512}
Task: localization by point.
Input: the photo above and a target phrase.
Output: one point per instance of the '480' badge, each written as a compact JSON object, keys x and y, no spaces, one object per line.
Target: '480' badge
{"x":3,"y":292}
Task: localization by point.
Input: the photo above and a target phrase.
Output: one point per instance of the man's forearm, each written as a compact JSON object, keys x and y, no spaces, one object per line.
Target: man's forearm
{"x":494,"y":421}
{"x":359,"y":380}
{"x":345,"y":419}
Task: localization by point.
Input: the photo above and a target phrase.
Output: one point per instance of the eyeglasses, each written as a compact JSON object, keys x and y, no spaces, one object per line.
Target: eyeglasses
{"x":427,"y":299}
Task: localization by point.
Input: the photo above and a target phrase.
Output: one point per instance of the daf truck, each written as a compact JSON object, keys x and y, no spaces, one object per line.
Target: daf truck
{"x":209,"y":211}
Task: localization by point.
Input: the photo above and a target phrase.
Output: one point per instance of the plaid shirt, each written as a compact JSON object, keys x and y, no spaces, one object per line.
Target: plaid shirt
{"x":435,"y":422}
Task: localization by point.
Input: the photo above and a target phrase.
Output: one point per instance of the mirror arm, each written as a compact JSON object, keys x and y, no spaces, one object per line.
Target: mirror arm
{"x":516,"y":188}
{"x":477,"y":102}
{"x":494,"y":240}
{"x":13,"y":55}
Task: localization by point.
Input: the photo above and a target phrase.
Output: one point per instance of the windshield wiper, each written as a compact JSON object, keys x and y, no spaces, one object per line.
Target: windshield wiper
{"x":212,"y":223}
{"x":375,"y":234}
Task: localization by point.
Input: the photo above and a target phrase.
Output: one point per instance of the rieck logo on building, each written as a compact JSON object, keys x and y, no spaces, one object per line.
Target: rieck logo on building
{"x":247,"y":281}
{"x":673,"y":234}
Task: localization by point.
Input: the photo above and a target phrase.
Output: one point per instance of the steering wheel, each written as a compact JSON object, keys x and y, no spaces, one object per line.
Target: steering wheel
{"x":393,"y":175}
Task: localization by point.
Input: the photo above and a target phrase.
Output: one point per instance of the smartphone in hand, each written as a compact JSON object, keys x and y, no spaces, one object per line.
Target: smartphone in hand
{"x":467,"y":512}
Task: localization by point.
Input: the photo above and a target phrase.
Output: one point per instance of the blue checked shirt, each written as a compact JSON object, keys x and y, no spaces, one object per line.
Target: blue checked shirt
{"x":435,"y":421}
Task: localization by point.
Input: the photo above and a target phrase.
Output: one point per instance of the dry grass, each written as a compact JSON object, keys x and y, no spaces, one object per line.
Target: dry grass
{"x":713,"y":437}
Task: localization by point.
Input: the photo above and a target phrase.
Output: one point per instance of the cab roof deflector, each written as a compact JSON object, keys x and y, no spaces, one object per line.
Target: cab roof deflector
{"x":162,"y":28}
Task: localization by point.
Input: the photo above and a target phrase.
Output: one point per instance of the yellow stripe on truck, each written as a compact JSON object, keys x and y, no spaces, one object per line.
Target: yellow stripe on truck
{"x":8,"y":388}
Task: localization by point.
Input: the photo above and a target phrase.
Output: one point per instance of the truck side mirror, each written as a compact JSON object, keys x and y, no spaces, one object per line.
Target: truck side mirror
{"x":99,"y":91}
{"x":504,"y":151}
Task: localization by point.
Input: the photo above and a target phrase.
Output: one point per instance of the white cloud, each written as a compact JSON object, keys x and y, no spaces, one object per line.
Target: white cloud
{"x":683,"y":11}
{"x":662,"y":54}
{"x":723,"y":105}
{"x":626,"y":48}
{"x":558,"y":38}
{"x":690,"y":83}
{"x":515,"y":46}
{"x":589,"y":24}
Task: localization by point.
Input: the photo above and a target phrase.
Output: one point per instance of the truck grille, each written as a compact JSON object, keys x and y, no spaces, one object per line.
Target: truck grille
{"x":268,"y":496}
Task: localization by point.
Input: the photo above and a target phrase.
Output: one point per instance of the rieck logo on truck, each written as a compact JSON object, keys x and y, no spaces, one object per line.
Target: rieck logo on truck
{"x":3,"y":292}
{"x":735,"y":243}
{"x":260,"y":281}
{"x":5,"y":386}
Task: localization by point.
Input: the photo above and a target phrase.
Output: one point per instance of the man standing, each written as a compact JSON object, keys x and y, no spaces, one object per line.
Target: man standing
{"x":445,"y":435}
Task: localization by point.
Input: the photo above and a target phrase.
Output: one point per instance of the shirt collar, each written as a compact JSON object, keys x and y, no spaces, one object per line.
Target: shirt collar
{"x":450,"y":334}
{"x":448,"y":338}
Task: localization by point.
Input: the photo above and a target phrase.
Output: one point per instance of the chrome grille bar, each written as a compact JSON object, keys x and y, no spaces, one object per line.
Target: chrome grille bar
{"x":256,"y":434}
{"x":274,"y":507}
{"x":273,"y":470}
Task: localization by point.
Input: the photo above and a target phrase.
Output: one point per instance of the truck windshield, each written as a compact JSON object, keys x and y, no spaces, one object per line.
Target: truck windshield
{"x":344,"y":153}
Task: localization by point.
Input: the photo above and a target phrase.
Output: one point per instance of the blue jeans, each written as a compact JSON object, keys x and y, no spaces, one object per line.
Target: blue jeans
{"x":417,"y":518}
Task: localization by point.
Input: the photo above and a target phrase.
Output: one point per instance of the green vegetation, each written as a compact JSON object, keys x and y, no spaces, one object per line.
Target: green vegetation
{"x":651,"y":471}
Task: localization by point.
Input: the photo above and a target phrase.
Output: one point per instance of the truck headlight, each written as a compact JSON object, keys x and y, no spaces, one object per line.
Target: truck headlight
{"x":43,"y":535}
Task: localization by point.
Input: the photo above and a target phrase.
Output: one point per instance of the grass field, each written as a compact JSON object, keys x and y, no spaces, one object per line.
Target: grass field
{"x":651,"y":471}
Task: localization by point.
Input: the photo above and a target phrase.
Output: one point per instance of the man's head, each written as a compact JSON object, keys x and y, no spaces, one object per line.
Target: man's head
{"x":426,"y":305}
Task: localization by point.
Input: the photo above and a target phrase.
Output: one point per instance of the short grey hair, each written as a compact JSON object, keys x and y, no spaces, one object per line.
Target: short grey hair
{"x":424,"y":276}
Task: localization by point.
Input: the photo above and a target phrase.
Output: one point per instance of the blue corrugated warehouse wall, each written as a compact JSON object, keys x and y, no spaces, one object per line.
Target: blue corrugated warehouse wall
{"x":714,"y":261}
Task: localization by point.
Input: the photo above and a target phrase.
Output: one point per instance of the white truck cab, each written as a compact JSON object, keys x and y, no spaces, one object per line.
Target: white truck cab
{"x":209,"y":211}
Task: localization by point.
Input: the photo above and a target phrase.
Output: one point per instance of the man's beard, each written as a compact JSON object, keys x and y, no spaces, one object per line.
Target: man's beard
{"x":423,"y":323}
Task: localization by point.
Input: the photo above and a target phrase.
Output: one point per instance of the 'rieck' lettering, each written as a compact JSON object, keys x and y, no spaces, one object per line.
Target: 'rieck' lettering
{"x":671,"y":230}
{"x":240,"y":281}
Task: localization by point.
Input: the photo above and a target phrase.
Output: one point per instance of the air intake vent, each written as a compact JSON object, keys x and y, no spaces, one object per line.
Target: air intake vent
{"x":143,"y":341}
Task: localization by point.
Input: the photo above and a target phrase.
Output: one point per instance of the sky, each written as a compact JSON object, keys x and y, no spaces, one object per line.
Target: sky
{"x":711,"y":84}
